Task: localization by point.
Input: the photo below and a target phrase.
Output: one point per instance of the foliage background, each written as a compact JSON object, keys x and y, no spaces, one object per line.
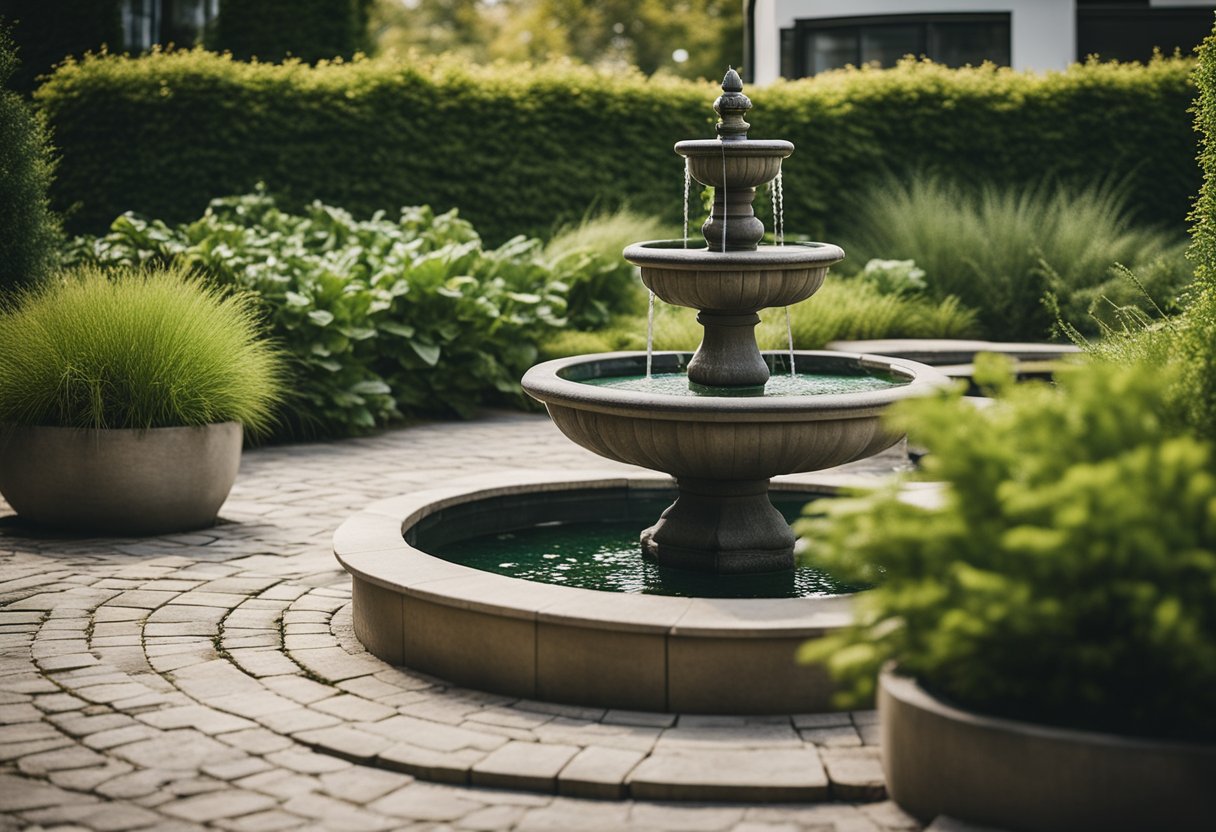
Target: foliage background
{"x":519,"y":152}
{"x":29,"y":232}
{"x":381,"y":318}
{"x":609,"y":34}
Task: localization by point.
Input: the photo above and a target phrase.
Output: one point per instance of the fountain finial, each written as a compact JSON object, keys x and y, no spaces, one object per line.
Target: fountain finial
{"x":731,"y":106}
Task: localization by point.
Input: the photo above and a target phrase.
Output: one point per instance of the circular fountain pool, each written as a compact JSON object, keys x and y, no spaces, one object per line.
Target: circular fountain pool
{"x":603,"y":554}
{"x":568,"y":644}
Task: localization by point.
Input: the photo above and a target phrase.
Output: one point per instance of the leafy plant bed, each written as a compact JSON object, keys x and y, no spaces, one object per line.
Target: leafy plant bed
{"x":383,"y":318}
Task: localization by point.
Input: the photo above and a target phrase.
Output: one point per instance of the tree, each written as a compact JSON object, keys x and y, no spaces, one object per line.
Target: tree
{"x":691,"y":38}
{"x":29,"y":232}
{"x":47,"y":31}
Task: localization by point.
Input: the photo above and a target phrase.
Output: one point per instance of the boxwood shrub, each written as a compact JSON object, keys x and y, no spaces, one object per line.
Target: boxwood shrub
{"x":520,"y":150}
{"x":1069,"y":574}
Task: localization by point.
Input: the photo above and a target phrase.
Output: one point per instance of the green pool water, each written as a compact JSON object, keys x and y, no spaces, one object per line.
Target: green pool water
{"x":606,"y":556}
{"x":780,"y":384}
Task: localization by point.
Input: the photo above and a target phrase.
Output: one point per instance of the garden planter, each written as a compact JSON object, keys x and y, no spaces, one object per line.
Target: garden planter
{"x":1024,"y":777}
{"x":119,"y":481}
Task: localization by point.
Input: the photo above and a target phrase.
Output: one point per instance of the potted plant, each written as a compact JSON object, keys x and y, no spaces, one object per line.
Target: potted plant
{"x":1043,"y":641}
{"x":124,"y":396}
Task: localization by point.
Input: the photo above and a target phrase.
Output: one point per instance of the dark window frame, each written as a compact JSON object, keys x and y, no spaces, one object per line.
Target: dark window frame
{"x":1105,"y":9}
{"x":805,"y":25}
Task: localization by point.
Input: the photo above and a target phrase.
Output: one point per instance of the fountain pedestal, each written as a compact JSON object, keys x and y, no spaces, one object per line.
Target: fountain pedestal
{"x":728,"y":356}
{"x":728,"y":527}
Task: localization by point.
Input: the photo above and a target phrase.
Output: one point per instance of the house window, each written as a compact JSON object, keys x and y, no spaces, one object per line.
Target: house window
{"x":1127,"y":32}
{"x":140,"y":24}
{"x":181,"y":22}
{"x":950,"y":39}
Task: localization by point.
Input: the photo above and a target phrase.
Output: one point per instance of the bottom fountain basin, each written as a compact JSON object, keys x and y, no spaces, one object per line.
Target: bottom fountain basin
{"x":725,"y":437}
{"x":565,"y":644}
{"x":723,"y":449}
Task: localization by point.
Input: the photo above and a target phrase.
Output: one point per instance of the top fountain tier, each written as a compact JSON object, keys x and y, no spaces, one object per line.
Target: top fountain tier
{"x":734,"y":166}
{"x":732,"y":279}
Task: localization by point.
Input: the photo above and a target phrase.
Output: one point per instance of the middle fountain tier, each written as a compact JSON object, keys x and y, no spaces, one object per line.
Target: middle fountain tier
{"x":726,"y":441}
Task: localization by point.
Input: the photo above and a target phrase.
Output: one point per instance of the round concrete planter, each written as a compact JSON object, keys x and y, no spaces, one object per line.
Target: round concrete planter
{"x":1024,"y":777}
{"x":119,"y":481}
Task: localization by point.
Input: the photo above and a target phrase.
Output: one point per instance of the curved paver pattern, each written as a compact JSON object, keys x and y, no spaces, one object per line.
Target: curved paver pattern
{"x":212,"y":680}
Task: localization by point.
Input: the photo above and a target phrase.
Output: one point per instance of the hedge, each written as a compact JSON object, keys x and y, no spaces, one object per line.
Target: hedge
{"x":1194,"y":344}
{"x":520,"y":150}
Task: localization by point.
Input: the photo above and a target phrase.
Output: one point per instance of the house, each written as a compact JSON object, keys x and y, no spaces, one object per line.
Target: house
{"x":797,"y":38}
{"x":148,"y":22}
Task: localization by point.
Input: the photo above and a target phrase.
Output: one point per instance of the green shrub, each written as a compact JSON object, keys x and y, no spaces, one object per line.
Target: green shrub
{"x":521,"y":149}
{"x":135,"y":349}
{"x":272,"y":30}
{"x":1000,"y":250}
{"x":1196,"y":343}
{"x":1186,"y":342}
{"x":1068,"y":575}
{"x":894,"y":277}
{"x":606,"y":283}
{"x":29,"y":232}
{"x":383,"y":318}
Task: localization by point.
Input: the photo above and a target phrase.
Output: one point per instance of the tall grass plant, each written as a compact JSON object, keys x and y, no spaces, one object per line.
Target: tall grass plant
{"x":592,"y":249}
{"x":1001,"y":250}
{"x":135,"y":349}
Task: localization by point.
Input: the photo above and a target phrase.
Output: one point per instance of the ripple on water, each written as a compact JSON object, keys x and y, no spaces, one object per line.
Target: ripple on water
{"x":779,"y":385}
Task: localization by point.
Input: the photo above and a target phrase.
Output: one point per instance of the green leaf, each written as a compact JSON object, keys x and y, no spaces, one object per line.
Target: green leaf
{"x":371,"y":387}
{"x":395,"y":328}
{"x":429,"y":353}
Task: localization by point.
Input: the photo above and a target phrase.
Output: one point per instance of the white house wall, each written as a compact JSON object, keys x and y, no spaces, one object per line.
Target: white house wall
{"x":1042,"y":32}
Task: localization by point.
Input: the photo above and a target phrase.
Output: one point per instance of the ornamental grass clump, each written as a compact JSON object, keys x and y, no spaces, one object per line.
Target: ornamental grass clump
{"x":134,"y":348}
{"x":1000,"y":250}
{"x":1068,"y":576}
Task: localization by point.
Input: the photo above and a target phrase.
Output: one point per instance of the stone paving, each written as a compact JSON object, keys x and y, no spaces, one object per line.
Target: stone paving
{"x":212,"y":680}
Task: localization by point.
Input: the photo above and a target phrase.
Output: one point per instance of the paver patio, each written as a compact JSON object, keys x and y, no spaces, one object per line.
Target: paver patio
{"x":212,"y":680}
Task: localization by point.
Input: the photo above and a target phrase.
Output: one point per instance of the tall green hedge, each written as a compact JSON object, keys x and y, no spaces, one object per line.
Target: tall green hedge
{"x":1195,"y":344}
{"x":310,"y":30}
{"x":520,"y":150}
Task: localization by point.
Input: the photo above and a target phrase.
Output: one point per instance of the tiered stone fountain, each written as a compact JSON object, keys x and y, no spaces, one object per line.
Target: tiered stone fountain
{"x":724,"y":445}
{"x":722,"y":430}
